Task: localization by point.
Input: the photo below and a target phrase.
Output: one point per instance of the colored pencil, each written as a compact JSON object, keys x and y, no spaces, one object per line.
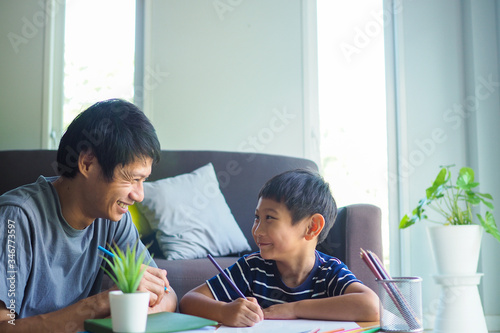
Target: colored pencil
{"x":228,"y":279}
{"x":361,"y":329}
{"x":377,"y":268}
{"x":334,"y":331}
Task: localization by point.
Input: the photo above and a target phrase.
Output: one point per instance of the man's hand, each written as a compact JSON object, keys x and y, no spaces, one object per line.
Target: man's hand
{"x":154,"y":280}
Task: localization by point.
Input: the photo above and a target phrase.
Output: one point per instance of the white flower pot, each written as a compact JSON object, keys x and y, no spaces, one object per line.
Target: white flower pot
{"x":456,"y":253}
{"x":129,"y":312}
{"x":456,"y":248}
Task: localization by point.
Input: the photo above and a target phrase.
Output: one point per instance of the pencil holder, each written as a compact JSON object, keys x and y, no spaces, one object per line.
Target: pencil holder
{"x":401,"y":304}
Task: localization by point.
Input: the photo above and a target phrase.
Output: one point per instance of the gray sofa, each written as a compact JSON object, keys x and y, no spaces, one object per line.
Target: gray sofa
{"x":356,"y":225}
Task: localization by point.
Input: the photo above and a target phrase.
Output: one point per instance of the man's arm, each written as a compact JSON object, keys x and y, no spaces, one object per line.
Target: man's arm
{"x":69,"y":319}
{"x":358,"y":303}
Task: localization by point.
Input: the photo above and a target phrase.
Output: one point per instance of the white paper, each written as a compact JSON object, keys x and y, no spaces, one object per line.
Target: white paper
{"x":290,"y":326}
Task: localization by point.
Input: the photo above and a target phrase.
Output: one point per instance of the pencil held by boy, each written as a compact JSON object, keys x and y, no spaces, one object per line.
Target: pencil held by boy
{"x":288,"y":278}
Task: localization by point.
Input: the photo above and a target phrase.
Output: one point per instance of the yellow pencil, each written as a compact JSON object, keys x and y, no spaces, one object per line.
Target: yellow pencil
{"x":359,"y":329}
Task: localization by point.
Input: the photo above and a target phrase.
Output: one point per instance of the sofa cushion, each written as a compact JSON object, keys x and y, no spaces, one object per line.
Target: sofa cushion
{"x":191,"y":217}
{"x":140,"y":222}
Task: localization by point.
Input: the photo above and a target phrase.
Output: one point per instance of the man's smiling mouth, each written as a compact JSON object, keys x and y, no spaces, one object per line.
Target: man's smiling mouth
{"x":122,"y":205}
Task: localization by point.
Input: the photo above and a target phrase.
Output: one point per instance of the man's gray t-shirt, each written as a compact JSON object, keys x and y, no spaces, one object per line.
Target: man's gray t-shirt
{"x":49,"y":265}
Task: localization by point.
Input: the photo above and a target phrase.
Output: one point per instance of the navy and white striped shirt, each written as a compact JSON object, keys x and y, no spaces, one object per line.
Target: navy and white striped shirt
{"x":260,"y":278}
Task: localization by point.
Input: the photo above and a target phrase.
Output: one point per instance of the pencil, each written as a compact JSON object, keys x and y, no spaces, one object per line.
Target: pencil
{"x":368,"y":329}
{"x":109,"y":253}
{"x":375,"y":265}
{"x":225,"y":276}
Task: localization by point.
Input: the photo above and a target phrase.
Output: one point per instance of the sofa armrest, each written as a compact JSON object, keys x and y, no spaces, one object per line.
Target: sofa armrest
{"x":357,"y":226}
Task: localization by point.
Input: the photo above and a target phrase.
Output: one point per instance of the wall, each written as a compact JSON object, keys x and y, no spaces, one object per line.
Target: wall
{"x":22,"y":31}
{"x":446,"y":109}
{"x":230,"y":75}
{"x":217,"y":75}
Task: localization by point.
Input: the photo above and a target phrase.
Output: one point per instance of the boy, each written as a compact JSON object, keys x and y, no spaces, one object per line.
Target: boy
{"x":287,"y":278}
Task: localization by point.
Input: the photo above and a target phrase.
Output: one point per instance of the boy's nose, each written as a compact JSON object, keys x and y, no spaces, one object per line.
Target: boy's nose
{"x":257,"y":229}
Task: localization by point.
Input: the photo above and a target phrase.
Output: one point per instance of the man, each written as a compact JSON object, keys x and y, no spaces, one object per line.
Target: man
{"x":52,"y":228}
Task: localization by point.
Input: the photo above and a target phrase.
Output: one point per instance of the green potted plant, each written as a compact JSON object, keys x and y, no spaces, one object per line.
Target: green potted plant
{"x":129,"y":308}
{"x":456,"y":243}
{"x":455,"y":202}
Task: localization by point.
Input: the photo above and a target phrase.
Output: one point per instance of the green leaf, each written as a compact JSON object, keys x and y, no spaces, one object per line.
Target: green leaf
{"x":487,"y":204}
{"x":405,"y":222}
{"x":436,"y":188}
{"x":489,"y":225}
{"x":466,"y":175}
{"x":485,"y":195}
{"x":472,"y":198}
{"x":126,"y":267}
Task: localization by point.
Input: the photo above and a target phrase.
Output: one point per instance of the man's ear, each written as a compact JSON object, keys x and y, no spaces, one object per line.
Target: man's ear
{"x":86,"y":161}
{"x":316,"y":224}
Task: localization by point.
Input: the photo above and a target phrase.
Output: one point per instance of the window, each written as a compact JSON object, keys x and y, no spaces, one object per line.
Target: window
{"x":352,"y":103}
{"x":98,"y":53}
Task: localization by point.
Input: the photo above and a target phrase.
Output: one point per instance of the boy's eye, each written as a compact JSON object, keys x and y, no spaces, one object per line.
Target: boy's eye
{"x":269,"y":217}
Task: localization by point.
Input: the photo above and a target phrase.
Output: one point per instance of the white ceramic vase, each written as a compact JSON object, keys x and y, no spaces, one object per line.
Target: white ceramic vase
{"x":456,"y":248}
{"x":129,"y":312}
{"x":456,"y":253}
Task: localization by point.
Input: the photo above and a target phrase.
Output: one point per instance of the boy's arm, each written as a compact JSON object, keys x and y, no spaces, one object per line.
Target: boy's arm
{"x":240,"y":312}
{"x":358,"y":303}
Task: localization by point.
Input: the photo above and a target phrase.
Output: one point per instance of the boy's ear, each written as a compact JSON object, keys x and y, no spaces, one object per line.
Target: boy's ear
{"x":316,"y":224}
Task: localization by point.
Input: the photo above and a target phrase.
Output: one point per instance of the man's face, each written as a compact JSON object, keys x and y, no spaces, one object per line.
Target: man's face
{"x":111,"y":199}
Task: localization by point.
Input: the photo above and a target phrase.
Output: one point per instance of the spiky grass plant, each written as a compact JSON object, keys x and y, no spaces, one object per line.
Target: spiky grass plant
{"x":127,"y":270}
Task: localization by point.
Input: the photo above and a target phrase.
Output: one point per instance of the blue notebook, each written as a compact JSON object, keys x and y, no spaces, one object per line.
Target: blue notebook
{"x":157,"y":323}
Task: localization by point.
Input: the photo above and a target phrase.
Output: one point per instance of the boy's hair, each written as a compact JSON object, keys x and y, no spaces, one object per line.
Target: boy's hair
{"x":115,"y":131}
{"x":304,"y":193}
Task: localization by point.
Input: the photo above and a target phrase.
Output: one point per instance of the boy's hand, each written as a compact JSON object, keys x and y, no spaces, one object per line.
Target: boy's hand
{"x":242,"y":313}
{"x":280,"y":311}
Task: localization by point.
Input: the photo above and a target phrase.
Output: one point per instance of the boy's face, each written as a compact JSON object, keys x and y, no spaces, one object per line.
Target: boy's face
{"x":274,"y":233}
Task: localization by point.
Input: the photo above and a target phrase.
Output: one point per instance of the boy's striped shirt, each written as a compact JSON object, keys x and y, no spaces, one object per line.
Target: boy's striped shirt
{"x":260,"y":278}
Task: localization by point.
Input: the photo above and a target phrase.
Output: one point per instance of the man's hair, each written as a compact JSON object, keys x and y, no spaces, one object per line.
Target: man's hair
{"x":115,"y":131}
{"x":304,"y":193}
